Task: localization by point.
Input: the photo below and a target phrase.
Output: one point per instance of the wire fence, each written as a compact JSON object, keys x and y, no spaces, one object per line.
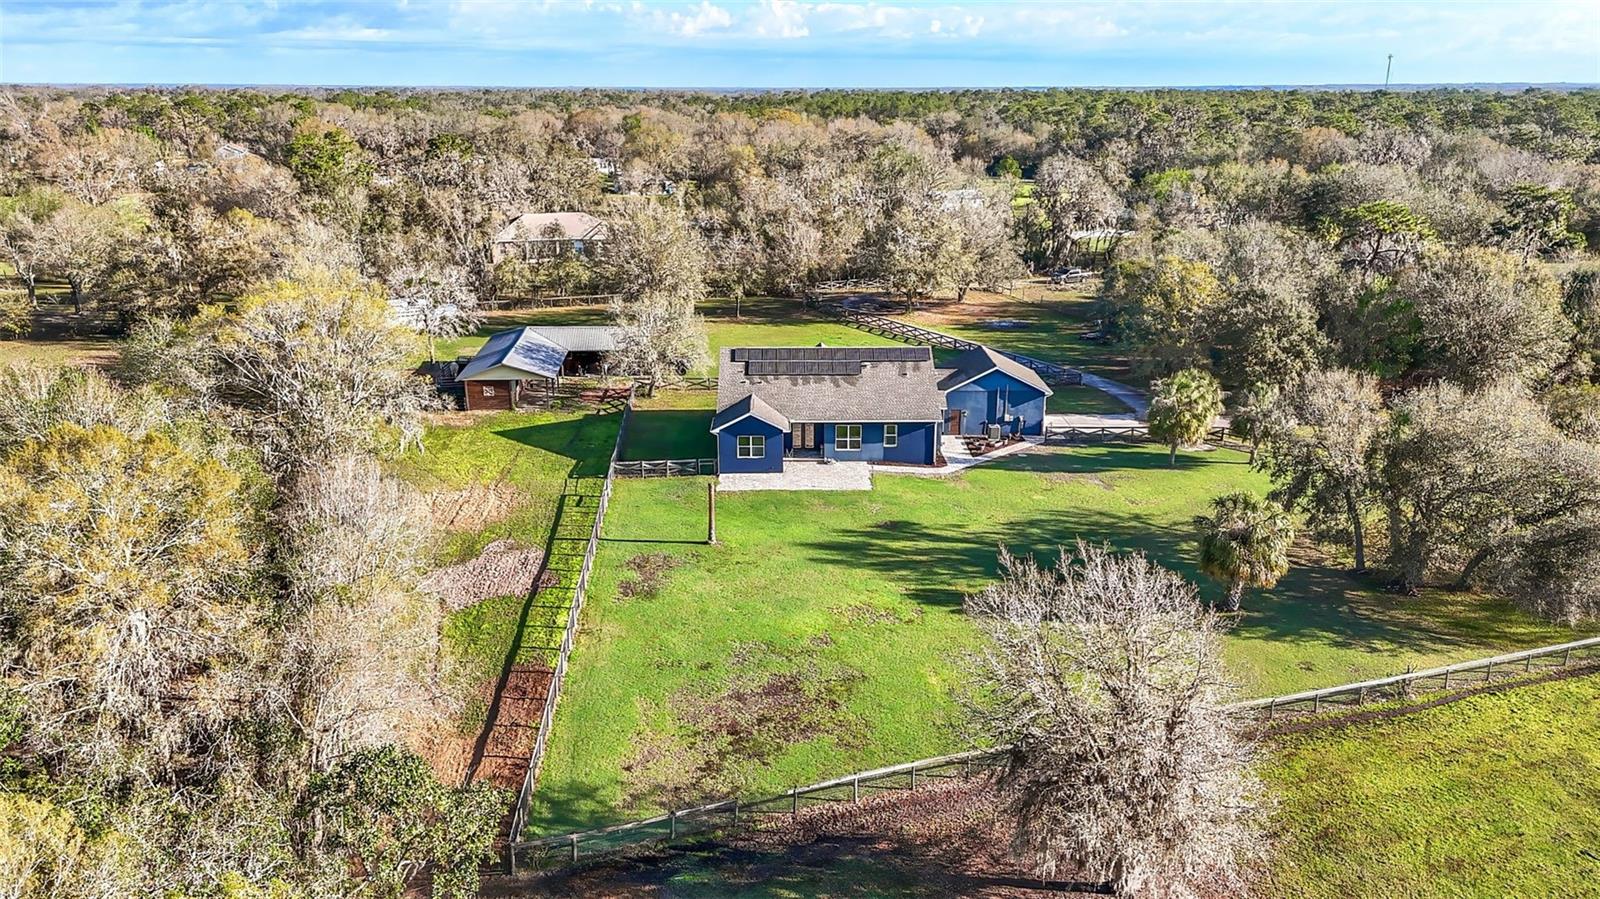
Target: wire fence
{"x":541,"y":742}
{"x":547,"y":853}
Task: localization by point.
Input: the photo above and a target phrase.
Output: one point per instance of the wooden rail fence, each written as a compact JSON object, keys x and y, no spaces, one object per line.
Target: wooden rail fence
{"x":1131,"y":434}
{"x":566,"y":849}
{"x":687,"y":382}
{"x":541,"y":742}
{"x":884,"y":326}
{"x":665,"y":468}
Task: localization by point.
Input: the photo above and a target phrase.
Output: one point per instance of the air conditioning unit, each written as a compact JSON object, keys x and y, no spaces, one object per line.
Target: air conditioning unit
{"x":994,"y":433}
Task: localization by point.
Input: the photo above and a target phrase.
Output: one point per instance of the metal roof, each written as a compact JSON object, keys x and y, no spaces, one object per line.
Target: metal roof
{"x":579,"y":338}
{"x":531,"y":226}
{"x":522,"y":349}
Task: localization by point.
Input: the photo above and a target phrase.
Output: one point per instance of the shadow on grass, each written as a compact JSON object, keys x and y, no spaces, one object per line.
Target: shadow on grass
{"x":669,"y":434}
{"x":936,"y":564}
{"x":578,"y":439}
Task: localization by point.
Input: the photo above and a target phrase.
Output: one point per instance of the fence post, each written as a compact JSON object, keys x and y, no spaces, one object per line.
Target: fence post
{"x":672,"y":825}
{"x":1447,"y":678}
{"x":736,"y":810}
{"x":1316,"y":703}
{"x":855,"y":789}
{"x":913,"y":780}
{"x":1488,"y":673}
{"x":574,"y":848}
{"x":1528,"y":664}
{"x":1566,"y":657}
{"x":794,"y":802}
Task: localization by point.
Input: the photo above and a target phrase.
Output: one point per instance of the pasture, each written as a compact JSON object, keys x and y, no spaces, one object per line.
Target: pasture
{"x":824,"y":633}
{"x":1494,"y":795}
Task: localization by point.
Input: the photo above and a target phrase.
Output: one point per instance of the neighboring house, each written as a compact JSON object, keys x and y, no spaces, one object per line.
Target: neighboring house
{"x":545,"y":235}
{"x":532,"y":357}
{"x":984,"y":388}
{"x":231,"y":151}
{"x":960,"y":198}
{"x":867,"y":404}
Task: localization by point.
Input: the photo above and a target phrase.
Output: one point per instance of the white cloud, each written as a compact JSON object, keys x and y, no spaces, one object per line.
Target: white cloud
{"x":702,"y":18}
{"x":784,"y":19}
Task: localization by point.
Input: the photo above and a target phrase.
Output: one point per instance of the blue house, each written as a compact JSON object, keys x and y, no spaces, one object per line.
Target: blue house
{"x":862,"y":404}
{"x":984,"y":388}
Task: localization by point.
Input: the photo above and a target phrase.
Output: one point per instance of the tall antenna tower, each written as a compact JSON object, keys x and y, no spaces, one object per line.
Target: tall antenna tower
{"x":1387,"y":68}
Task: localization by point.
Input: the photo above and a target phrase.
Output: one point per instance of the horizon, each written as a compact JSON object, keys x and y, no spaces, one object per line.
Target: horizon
{"x":793,"y":45}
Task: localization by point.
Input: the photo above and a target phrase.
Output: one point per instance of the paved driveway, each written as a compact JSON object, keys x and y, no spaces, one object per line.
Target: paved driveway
{"x":805,"y":474}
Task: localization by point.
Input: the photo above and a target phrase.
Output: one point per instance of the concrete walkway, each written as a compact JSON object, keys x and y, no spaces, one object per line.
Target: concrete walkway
{"x":1131,"y":397}
{"x":957,"y":459}
{"x":803,"y":474}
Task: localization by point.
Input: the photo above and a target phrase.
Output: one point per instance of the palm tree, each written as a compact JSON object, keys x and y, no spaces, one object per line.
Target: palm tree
{"x":1183,"y":407}
{"x":1259,"y":415}
{"x":1245,"y":543}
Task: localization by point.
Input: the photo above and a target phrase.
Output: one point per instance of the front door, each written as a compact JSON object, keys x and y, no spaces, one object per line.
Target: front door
{"x":952,"y":424}
{"x":805,"y":436}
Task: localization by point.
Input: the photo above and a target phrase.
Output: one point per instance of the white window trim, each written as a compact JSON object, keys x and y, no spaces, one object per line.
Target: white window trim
{"x":746,"y":446}
{"x":891,"y":437}
{"x":839,"y":438}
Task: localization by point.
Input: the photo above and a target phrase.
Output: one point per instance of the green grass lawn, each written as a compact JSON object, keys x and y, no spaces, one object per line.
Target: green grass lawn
{"x":850,"y":602}
{"x":673,"y":424}
{"x":1054,"y":321}
{"x":1496,"y":795}
{"x":494,"y":477}
{"x":760,"y":321}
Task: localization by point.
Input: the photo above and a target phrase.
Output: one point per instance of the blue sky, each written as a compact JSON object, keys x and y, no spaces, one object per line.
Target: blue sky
{"x":791,"y":43}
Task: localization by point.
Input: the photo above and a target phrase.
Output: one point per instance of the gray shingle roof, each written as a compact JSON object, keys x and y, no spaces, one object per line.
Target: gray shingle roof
{"x":979,"y":361}
{"x":895,"y":390}
{"x":753,"y":406}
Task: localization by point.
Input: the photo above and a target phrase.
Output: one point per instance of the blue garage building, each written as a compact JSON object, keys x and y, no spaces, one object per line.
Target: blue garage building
{"x":984,"y":388}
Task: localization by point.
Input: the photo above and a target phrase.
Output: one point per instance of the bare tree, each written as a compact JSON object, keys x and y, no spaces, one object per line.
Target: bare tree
{"x":1104,"y":681}
{"x":657,"y":338}
{"x":435,"y":301}
{"x":358,"y":653}
{"x":318,"y":363}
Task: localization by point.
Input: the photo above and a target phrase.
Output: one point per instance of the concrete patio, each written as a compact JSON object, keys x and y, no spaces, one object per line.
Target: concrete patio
{"x":803,"y":474}
{"x":957,"y":459}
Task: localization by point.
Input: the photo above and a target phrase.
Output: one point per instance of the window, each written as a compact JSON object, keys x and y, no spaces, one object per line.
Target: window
{"x":488,"y":390}
{"x":846,"y":437}
{"x":891,"y":435}
{"x":752,"y":446}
